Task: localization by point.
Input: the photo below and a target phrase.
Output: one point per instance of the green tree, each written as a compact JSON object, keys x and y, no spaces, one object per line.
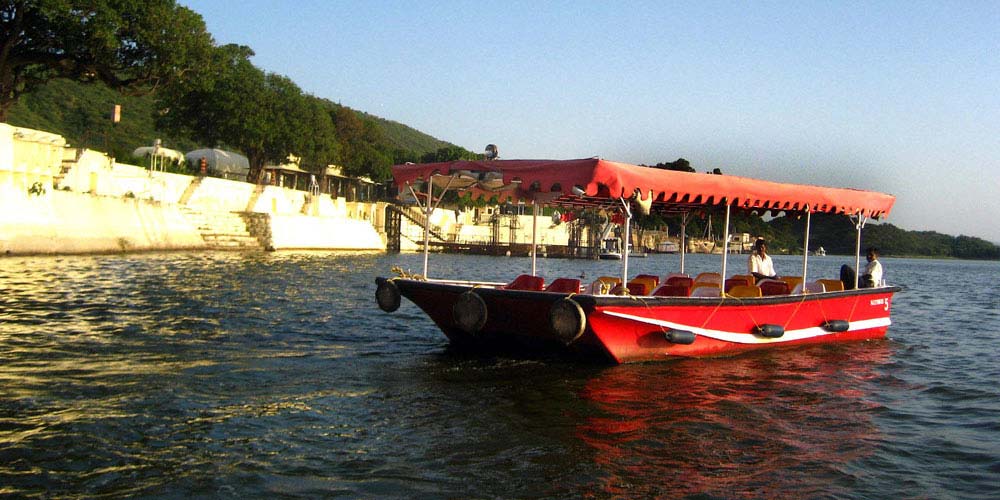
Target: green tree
{"x":231,"y":102}
{"x":680,"y":165}
{"x":449,"y":153}
{"x":362,"y":153}
{"x":133,"y":44}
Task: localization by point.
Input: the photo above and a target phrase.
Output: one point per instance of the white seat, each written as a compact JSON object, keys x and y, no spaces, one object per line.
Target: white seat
{"x":811,"y":287}
{"x":706,"y":291}
{"x":715,"y":278}
{"x":602,"y":285}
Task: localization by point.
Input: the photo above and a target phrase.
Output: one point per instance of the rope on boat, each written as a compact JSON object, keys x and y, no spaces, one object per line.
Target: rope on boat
{"x":722,"y":300}
{"x":406,"y":274}
{"x":756,"y":325}
{"x":853,"y":307}
{"x":796,"y":310}
{"x":642,"y":301}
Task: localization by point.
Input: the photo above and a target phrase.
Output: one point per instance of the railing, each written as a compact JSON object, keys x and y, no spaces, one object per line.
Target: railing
{"x":419,"y":221}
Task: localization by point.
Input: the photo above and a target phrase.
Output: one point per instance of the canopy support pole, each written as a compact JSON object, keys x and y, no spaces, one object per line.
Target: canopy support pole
{"x":628,"y":239}
{"x":805,"y":249}
{"x":725,"y":247}
{"x":427,"y":225}
{"x":684,"y":223}
{"x":534,"y":236}
{"x":859,"y":224}
{"x":428,"y":209}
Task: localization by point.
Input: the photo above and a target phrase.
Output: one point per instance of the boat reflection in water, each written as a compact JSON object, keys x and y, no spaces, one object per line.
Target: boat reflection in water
{"x":763,"y":424}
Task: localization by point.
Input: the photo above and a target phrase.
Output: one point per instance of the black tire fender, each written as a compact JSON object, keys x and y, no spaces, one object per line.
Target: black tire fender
{"x":387,"y":296}
{"x":469,"y":312}
{"x":836,"y":325}
{"x":769,"y":331}
{"x":679,"y":336}
{"x":567,"y":320}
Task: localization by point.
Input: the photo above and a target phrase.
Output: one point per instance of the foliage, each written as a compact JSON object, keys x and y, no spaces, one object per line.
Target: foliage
{"x":838,"y":235}
{"x":267,"y":117}
{"x":126,"y":44}
{"x":394,"y":136}
{"x":449,"y":153}
{"x":80,"y":113}
{"x":203,"y":94}
{"x":232,"y":102}
{"x":680,"y":165}
{"x":358,"y":138}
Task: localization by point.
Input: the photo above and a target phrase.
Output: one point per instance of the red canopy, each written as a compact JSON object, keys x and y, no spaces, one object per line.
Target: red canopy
{"x":599,"y":181}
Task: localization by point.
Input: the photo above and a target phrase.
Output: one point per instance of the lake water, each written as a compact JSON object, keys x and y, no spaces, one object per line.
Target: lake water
{"x":262,"y":375}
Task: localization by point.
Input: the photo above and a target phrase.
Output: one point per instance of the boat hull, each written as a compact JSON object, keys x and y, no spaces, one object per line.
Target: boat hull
{"x":634,"y":329}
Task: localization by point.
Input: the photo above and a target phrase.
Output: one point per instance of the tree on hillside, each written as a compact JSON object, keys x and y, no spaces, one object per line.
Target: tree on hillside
{"x":233,"y":103}
{"x":123,"y":43}
{"x":449,"y":153}
{"x":680,"y":165}
{"x":358,"y":138}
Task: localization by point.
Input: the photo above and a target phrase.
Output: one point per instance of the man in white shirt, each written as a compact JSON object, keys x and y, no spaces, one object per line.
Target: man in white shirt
{"x":873,"y":272}
{"x":759,"y":264}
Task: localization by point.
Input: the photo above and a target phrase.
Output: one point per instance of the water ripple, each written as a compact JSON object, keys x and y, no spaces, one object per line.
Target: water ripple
{"x":233,"y":375}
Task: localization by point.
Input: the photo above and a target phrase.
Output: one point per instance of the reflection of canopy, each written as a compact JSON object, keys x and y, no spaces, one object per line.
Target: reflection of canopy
{"x":220,"y":161}
{"x":593,"y":182}
{"x":161,"y":152}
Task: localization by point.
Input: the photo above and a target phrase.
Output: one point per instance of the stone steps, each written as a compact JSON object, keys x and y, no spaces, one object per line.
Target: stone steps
{"x":222,"y":230}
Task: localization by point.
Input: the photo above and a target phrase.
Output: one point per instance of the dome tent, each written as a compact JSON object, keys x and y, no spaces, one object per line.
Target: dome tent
{"x":225,"y":164}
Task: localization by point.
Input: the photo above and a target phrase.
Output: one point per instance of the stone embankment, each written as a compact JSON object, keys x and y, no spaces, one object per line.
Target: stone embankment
{"x":55,"y":199}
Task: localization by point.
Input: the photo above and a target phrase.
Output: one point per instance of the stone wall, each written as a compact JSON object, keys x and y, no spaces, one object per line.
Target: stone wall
{"x":61,"y":222}
{"x":55,"y":199}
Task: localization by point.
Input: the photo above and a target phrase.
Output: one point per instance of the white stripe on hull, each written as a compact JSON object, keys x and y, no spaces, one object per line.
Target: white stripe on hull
{"x":749,"y":338}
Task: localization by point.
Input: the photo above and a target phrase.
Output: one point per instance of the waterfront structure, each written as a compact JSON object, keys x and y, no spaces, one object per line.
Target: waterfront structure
{"x":57,"y":199}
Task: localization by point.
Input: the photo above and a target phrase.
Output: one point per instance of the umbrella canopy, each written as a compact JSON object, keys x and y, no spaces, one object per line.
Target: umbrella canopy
{"x":593,"y":181}
{"x":159,"y":151}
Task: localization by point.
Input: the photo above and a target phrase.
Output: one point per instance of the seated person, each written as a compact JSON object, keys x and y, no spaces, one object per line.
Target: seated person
{"x":759,"y":265}
{"x":873,"y":272}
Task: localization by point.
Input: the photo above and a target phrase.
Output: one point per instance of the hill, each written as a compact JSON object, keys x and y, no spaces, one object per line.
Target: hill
{"x":837,"y":235}
{"x":395,"y":136}
{"x":81,"y":113}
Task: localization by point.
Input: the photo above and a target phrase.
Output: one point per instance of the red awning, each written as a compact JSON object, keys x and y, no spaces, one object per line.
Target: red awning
{"x":601,"y":181}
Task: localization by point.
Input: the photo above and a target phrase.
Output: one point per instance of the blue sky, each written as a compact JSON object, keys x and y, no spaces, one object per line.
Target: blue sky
{"x":899,"y":97}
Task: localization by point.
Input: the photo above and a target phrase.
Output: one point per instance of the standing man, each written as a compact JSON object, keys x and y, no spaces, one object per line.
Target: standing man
{"x":759,"y":264}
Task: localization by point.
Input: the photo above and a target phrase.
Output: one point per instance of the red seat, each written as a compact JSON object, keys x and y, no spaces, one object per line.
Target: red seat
{"x":680,"y":280}
{"x":773,"y":287}
{"x":669,"y":290}
{"x":642,"y":285}
{"x":731,"y":282}
{"x":656,"y":279}
{"x":564,"y":285}
{"x":527,"y":282}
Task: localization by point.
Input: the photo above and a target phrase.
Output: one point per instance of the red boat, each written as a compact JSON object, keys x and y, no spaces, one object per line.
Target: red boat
{"x":642,"y":318}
